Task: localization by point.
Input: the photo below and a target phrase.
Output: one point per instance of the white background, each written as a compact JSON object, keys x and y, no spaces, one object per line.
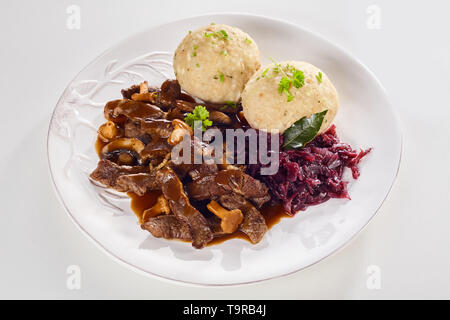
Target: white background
{"x":409,"y":239}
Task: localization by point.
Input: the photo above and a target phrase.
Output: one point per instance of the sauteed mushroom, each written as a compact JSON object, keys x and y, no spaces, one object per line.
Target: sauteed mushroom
{"x":161,"y":206}
{"x":108,"y":131}
{"x":123,"y":151}
{"x":230,"y":219}
{"x":181,"y":129}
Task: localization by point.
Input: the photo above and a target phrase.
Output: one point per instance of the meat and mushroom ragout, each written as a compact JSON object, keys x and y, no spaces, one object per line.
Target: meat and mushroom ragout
{"x":202,"y":203}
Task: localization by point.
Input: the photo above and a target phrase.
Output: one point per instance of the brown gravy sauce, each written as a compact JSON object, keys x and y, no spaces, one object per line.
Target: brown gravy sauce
{"x":272,"y":214}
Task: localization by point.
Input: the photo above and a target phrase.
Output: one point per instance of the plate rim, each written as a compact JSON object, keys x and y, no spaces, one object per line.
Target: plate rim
{"x":150,"y":274}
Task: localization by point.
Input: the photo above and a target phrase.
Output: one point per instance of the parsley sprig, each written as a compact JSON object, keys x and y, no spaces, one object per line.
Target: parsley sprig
{"x":290,"y":77}
{"x":198,"y":116}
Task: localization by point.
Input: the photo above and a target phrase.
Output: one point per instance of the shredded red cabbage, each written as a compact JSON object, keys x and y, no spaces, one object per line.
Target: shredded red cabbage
{"x":312,"y":174}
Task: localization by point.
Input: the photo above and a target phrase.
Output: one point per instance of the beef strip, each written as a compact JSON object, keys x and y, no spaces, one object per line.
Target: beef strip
{"x":173,"y":191}
{"x":194,"y":170}
{"x":136,"y":110}
{"x":132,"y":129}
{"x":155,"y":151}
{"x":157,"y":127}
{"x":170,"y":92}
{"x":139,"y":183}
{"x":254,"y":224}
{"x":167,"y":227}
{"x":108,"y":173}
{"x":153,"y":133}
{"x":198,"y":171}
{"x":226,"y":182}
{"x":170,"y":227}
{"x":215,"y":225}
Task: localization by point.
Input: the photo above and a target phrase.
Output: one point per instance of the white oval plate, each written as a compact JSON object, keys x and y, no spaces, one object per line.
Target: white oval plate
{"x":365,"y":119}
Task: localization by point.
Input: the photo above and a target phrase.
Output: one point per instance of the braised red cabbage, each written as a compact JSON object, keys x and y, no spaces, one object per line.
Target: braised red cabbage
{"x":313,"y":174}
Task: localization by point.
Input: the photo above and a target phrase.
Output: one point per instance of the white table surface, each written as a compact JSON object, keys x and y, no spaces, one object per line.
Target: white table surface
{"x":408,"y":240}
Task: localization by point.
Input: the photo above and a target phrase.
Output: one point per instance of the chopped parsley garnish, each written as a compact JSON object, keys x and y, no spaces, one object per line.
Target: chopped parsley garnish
{"x":248,"y":40}
{"x":198,"y":115}
{"x":194,"y":54}
{"x":319,"y":77}
{"x":221,"y":76}
{"x":221,"y":34}
{"x":290,"y":77}
{"x":284,"y":86}
{"x":298,"y":78}
{"x":224,"y":53}
{"x":197,"y":65}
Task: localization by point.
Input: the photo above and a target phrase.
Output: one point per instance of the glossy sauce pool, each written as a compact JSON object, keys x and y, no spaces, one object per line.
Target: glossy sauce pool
{"x":272,"y":214}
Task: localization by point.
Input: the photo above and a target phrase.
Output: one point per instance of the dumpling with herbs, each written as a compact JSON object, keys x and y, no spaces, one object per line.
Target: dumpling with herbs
{"x":215,"y":62}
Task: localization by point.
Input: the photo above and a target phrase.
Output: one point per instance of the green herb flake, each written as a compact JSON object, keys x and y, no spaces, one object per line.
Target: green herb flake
{"x":199,"y":116}
{"x":298,"y":78}
{"x":265,"y":73}
{"x":194,"y":54}
{"x":231,"y":104}
{"x":303,"y":131}
{"x":224,"y":53}
{"x":197,"y":65}
{"x":221,"y":76}
{"x":224,"y":34}
{"x":319,"y":77}
{"x":221,"y":34}
{"x":248,"y":40}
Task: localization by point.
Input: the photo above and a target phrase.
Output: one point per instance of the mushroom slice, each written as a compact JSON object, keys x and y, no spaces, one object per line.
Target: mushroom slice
{"x":150,"y":97}
{"x":219,"y":117}
{"x":143,"y":87}
{"x":107,"y":131}
{"x":231,"y":219}
{"x":123,"y":151}
{"x":161,"y":206}
{"x":180,"y":129}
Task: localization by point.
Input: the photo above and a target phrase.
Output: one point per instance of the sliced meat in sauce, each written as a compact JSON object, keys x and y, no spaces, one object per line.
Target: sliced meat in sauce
{"x":139,"y":183}
{"x":119,"y":111}
{"x":108,"y":173}
{"x":173,"y":191}
{"x":157,"y":127}
{"x":198,"y":171}
{"x":167,"y":227}
{"x":226,"y":182}
{"x":170,"y":92}
{"x":254,"y":224}
{"x":155,"y":151}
